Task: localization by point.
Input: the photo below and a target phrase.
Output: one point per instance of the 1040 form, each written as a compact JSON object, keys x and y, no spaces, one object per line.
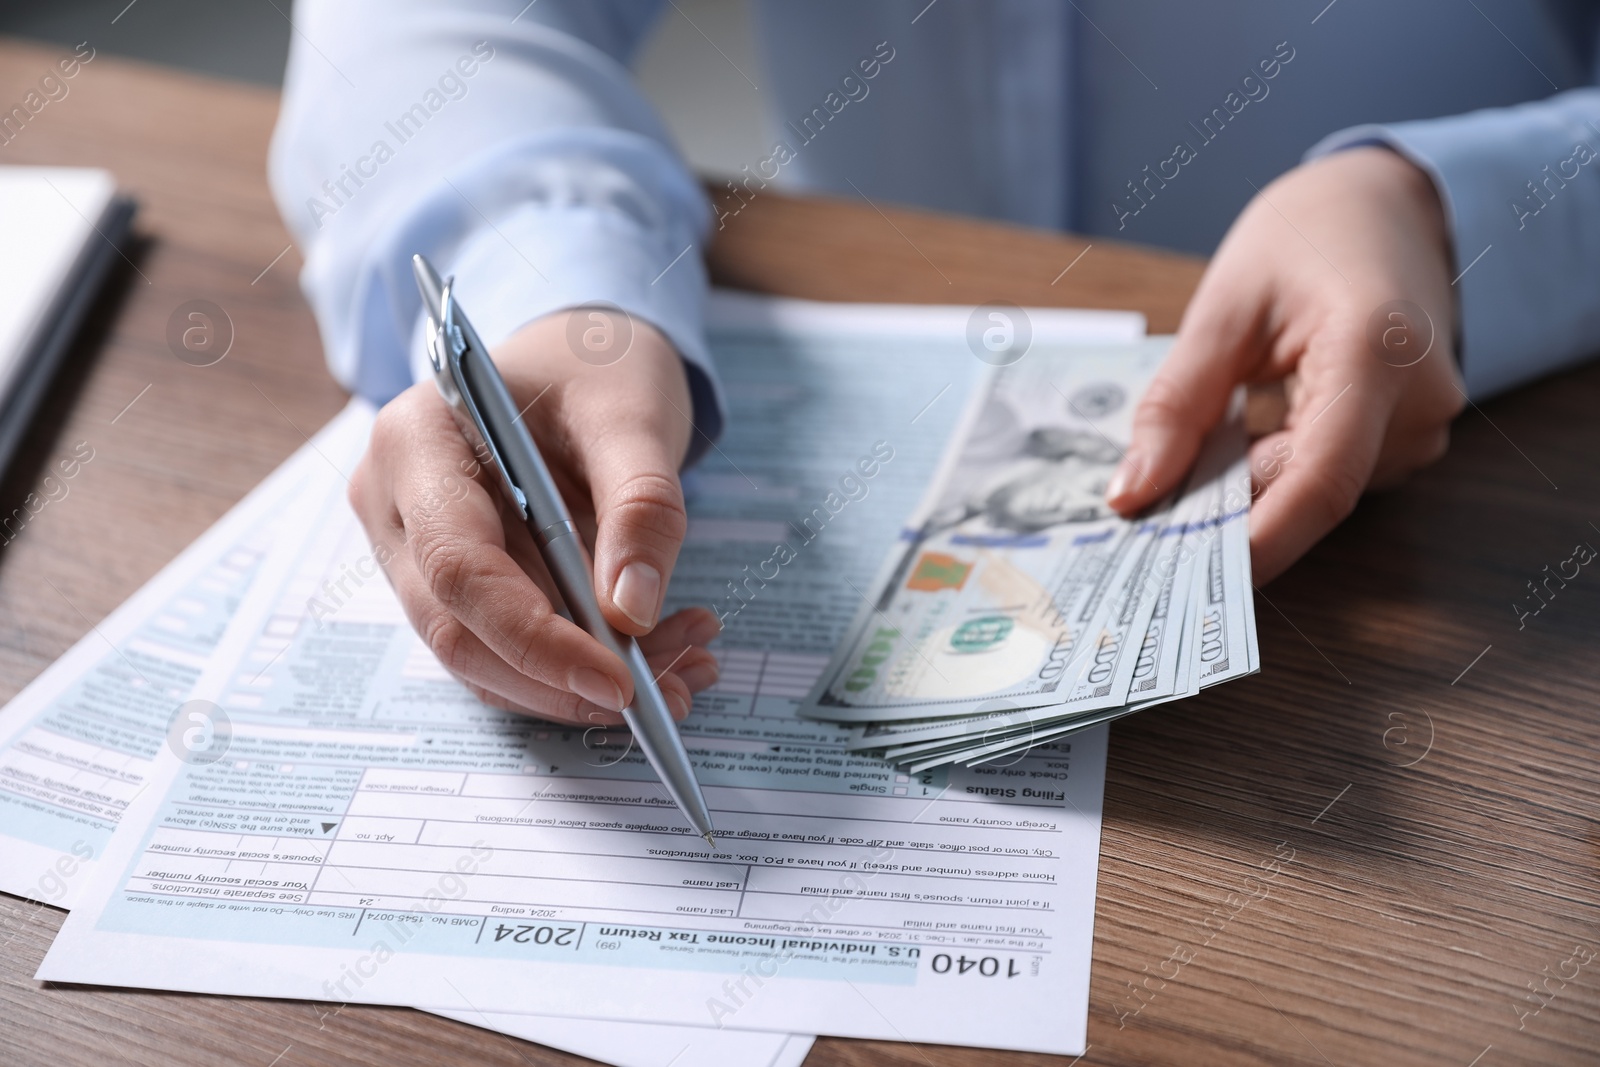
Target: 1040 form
{"x":372,"y":833}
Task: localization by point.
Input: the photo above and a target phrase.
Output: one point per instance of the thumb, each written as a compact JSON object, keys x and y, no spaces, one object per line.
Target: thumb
{"x":640,"y":522}
{"x":1217,"y":341}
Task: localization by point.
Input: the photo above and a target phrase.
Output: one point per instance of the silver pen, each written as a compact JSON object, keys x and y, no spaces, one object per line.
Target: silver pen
{"x":488,"y":417}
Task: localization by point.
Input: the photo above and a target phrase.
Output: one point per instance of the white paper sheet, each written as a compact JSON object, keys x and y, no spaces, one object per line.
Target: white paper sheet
{"x":77,"y":743}
{"x":75,"y":747}
{"x":955,"y":908}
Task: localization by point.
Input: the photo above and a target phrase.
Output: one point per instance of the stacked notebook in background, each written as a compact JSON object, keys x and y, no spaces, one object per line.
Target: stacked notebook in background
{"x":62,"y":230}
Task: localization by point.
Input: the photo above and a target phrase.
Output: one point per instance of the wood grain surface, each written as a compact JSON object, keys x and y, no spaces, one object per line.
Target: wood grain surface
{"x":1367,"y":854}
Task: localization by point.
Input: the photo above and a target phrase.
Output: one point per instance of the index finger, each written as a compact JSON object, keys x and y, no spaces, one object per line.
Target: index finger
{"x":456,"y":539}
{"x":1218,"y":340}
{"x":1324,"y":460}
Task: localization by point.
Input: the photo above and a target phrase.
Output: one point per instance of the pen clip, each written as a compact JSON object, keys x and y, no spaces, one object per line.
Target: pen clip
{"x":447,"y":347}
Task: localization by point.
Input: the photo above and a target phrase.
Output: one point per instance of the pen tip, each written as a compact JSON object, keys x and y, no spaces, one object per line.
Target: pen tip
{"x":710,"y":840}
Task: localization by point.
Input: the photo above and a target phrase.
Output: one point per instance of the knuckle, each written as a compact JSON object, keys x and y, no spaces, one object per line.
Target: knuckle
{"x":653,"y":502}
{"x":562,"y":705}
{"x":365,"y":492}
{"x":447,"y":639}
{"x":1452,"y":404}
{"x":1430,"y":448}
{"x":487,"y":697}
{"x":1437,"y":446}
{"x":442,"y":561}
{"x":358,"y":494}
{"x":389,"y":426}
{"x":1163,"y":402}
{"x":383,"y":424}
{"x":530,"y":656}
{"x":1334,"y":492}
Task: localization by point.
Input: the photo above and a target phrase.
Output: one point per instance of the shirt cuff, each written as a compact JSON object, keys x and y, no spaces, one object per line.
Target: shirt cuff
{"x":1524,"y":213}
{"x":538,"y":260}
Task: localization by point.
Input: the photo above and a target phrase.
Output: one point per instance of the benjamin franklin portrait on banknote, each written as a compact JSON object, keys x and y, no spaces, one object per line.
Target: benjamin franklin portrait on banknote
{"x":1028,"y":471}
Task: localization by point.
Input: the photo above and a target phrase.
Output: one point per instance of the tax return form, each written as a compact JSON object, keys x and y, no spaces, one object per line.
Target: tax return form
{"x":374,"y":834}
{"x":77,"y":744}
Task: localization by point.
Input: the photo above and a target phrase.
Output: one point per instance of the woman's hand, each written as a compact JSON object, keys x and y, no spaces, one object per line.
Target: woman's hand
{"x":1335,"y":281}
{"x":614,"y":431}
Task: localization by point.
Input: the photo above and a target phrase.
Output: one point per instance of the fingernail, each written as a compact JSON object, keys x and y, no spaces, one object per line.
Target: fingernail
{"x":595,"y":687}
{"x":704,"y":630}
{"x":699,"y":675}
{"x":1121,"y":481}
{"x":676,"y":704}
{"x":637,"y":593}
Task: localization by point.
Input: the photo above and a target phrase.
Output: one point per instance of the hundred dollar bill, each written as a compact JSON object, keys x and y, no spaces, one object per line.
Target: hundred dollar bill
{"x":1160,"y":671}
{"x":1016,"y":746}
{"x":1011,"y":586}
{"x":1226,"y":641}
{"x":1164,"y":667}
{"x":1220,"y":636}
{"x":1218,"y":641}
{"x":1156,"y":594}
{"x":1180,"y":578}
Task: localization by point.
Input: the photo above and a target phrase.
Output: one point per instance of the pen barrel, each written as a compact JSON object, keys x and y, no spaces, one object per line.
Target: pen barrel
{"x":528,"y":481}
{"x":647,"y":716}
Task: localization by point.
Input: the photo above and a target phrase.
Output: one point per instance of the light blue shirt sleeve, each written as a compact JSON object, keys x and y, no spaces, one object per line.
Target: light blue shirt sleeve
{"x":505,"y":141}
{"x":1521,"y":190}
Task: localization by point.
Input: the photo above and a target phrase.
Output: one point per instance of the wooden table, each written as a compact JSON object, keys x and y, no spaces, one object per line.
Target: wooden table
{"x":1422,"y":770}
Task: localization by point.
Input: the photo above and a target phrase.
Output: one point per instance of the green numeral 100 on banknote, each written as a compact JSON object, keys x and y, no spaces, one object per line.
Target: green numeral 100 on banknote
{"x":877,"y":651}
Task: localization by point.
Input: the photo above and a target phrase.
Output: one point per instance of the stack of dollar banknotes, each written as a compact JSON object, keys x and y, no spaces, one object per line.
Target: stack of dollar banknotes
{"x":1017,"y":607}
